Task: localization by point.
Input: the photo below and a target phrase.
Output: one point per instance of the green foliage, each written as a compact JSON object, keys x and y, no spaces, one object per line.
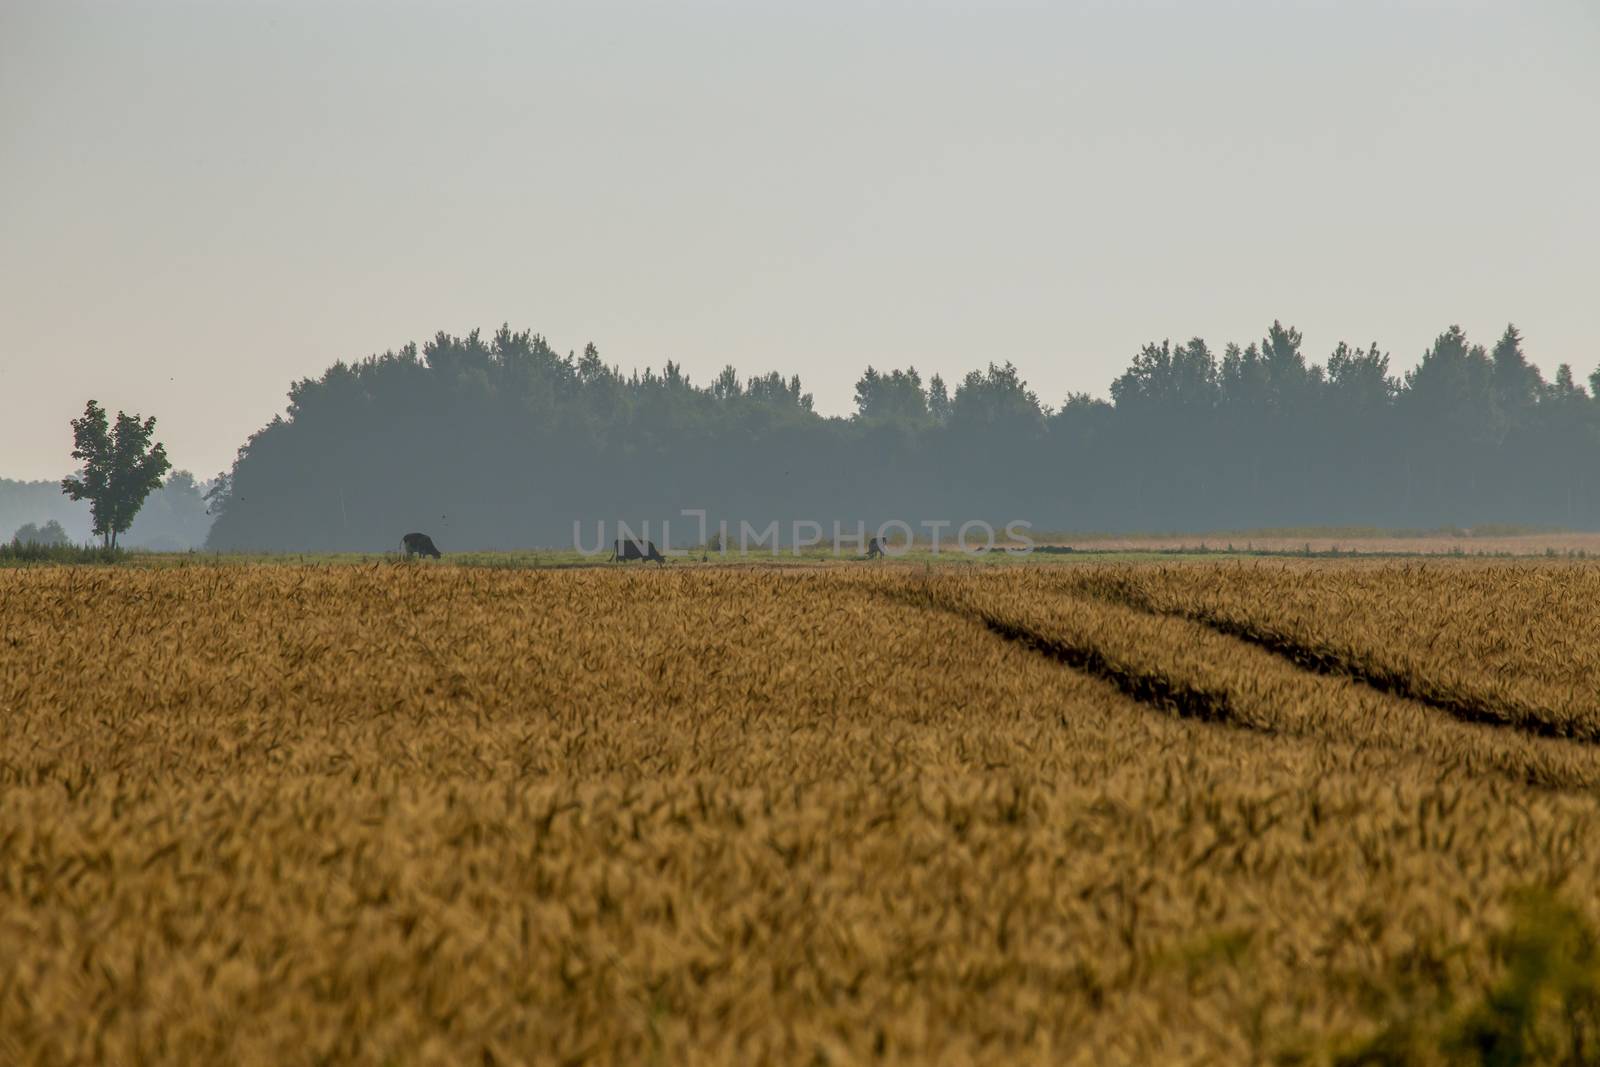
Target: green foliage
{"x":1517,"y":383}
{"x":1542,"y":1008}
{"x":894,"y":395}
{"x":15,"y":552}
{"x":499,"y":442}
{"x":38,"y":502}
{"x":1453,"y":388}
{"x":50,"y":534}
{"x":173,"y":517}
{"x":1171,"y":378}
{"x":997,"y":400}
{"x":120,"y":468}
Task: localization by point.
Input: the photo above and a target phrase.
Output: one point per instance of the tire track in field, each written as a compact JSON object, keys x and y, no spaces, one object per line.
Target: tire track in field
{"x":1150,"y":688}
{"x":1513,"y":755}
{"x":1321,"y":661}
{"x":1147,"y":687}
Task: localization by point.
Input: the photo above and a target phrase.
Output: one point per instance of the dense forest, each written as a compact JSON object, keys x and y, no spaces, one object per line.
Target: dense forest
{"x":500,"y":441}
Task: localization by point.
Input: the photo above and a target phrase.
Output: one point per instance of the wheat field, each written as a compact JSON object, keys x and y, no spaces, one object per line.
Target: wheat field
{"x":1318,"y":813}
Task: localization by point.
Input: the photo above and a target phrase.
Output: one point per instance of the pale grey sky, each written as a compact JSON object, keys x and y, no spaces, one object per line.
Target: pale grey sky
{"x":204,"y":201}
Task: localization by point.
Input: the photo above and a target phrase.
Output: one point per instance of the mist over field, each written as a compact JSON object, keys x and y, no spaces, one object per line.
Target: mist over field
{"x":210,"y":206}
{"x":174,"y":518}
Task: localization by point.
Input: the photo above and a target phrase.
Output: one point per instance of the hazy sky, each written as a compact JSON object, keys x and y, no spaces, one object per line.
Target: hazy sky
{"x":205,"y":201}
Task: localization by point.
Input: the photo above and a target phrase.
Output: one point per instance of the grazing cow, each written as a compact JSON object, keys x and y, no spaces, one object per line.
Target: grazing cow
{"x":645,"y":550}
{"x":418,"y":544}
{"x":874,"y":548}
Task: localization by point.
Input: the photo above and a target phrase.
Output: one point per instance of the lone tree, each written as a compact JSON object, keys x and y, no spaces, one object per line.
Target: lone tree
{"x":120,"y":468}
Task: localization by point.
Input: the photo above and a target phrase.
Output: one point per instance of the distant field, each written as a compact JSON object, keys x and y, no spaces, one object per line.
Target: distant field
{"x":1320,"y":541}
{"x":1354,"y":541}
{"x":568,"y":559}
{"x":1232,"y":811}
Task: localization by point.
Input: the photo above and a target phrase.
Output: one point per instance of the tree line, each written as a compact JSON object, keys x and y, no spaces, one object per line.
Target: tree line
{"x":501,"y":441}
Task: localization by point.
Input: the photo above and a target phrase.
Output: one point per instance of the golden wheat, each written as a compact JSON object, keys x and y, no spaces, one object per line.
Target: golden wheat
{"x":1504,"y":643}
{"x":442,"y":815}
